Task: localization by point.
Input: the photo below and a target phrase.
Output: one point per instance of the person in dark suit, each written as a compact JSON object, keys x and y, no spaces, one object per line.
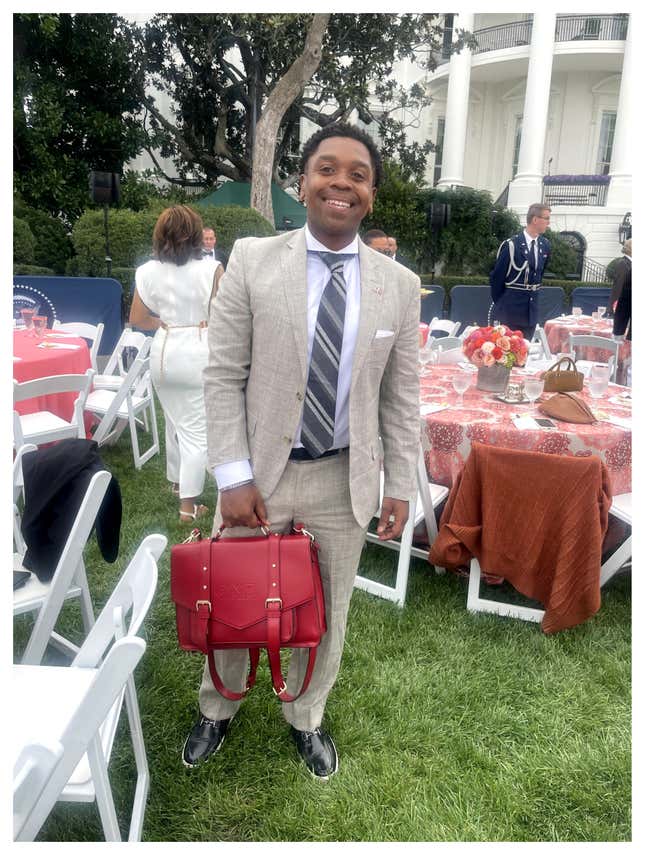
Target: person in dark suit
{"x":378,"y":240}
{"x":515,"y":280}
{"x":395,"y":255}
{"x":623,"y":310}
{"x":623,"y":271}
{"x":209,"y":242}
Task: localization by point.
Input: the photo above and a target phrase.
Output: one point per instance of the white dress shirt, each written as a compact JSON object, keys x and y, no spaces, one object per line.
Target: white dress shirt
{"x":528,"y":239}
{"x":318,"y":274}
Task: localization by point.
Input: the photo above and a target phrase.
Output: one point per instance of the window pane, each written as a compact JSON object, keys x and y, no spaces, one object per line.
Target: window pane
{"x":516,"y":146}
{"x":438,"y":156}
{"x":606,"y":142}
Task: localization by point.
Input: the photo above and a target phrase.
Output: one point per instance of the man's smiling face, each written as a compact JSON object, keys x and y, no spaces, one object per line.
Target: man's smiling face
{"x":338,"y":188}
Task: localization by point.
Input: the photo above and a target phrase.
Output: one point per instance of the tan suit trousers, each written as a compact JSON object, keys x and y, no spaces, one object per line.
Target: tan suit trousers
{"x":316,"y":494}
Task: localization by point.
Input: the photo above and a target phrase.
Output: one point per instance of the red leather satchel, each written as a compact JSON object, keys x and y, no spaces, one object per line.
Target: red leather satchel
{"x":249,"y":592}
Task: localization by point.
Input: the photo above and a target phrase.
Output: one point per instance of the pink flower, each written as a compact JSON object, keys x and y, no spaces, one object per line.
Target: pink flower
{"x":477,"y":358}
{"x":505,"y":343}
{"x":487,"y":347}
{"x":489,"y":359}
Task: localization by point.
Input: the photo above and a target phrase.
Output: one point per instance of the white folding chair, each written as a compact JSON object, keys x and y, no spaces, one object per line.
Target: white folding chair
{"x":422,"y":507}
{"x":119,"y":407}
{"x":69,"y":580}
{"x":599,"y":343}
{"x":539,"y":345}
{"x":87,"y":780}
{"x":448,"y":350}
{"x":450,"y":327}
{"x":32,"y":770}
{"x":46,"y":426}
{"x":18,"y":541}
{"x":467,"y":331}
{"x":75,"y":708}
{"x":82,"y":330}
{"x":116,"y":368}
{"x":621,"y":508}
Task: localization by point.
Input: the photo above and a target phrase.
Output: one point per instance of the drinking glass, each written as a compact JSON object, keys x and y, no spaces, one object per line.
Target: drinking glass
{"x":595,"y":316}
{"x":576,"y":311}
{"x":600,"y":371}
{"x":27,"y":316}
{"x":597,"y":386}
{"x":427,"y":355}
{"x":461,"y":381}
{"x":40,"y":325}
{"x":533,"y":388}
{"x":601,"y":311}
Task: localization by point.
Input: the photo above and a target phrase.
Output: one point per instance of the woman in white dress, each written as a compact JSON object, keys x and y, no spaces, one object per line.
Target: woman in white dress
{"x":177,"y":285}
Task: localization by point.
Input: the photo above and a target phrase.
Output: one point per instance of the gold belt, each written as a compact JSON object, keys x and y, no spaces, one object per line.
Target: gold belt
{"x":167,"y":327}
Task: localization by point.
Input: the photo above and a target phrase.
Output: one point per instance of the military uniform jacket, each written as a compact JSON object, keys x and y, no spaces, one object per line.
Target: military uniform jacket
{"x":514,"y":281}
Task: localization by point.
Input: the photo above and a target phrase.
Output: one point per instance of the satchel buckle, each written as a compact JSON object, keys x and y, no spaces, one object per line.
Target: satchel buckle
{"x":280,"y":691}
{"x":272,"y":600}
{"x":193,"y":536}
{"x":203,"y":603}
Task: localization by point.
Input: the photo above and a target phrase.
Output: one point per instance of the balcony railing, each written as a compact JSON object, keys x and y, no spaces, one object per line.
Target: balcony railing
{"x":573,"y":28}
{"x":585,"y":190}
{"x":568,"y":28}
{"x":504,"y":36}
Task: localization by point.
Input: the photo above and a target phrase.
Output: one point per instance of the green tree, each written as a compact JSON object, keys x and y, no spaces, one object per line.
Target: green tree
{"x":220,"y":69}
{"x":24,"y":242}
{"x":563,"y":257}
{"x":77,"y":90}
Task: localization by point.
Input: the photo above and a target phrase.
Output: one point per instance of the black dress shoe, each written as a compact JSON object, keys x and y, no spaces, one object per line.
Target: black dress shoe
{"x":318,"y":751}
{"x":205,"y":738}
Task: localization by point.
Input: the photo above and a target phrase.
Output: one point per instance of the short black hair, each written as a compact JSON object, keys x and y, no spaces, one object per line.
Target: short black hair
{"x":343,"y":129}
{"x":373,"y":234}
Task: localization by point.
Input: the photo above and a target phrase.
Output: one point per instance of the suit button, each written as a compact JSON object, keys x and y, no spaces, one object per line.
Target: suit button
{"x":299,"y":396}
{"x":288,"y":439}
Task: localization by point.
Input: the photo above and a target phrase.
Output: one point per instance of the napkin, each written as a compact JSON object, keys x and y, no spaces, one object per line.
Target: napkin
{"x":59,"y":346}
{"x":623,"y":422}
{"x":427,"y":409}
{"x":60,"y":335}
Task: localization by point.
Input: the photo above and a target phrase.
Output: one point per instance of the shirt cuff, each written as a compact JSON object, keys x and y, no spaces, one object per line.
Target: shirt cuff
{"x":232,"y":473}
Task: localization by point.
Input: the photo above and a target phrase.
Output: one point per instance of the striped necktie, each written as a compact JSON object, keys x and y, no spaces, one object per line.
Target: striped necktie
{"x":319,"y":410}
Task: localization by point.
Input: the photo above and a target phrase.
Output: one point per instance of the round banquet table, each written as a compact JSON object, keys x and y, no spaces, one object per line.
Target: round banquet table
{"x":32,"y":362}
{"x":558,"y":331}
{"x":447,"y":434}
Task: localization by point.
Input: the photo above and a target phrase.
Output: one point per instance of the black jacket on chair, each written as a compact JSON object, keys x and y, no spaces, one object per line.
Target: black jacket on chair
{"x":55,"y":480}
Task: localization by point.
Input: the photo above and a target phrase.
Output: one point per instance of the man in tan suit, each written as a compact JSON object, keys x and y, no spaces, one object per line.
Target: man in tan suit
{"x":312,"y":385}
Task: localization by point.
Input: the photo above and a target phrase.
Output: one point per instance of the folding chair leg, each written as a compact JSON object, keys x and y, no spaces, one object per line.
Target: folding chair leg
{"x":475,"y":603}
{"x":104,"y":799}
{"x":141,"y":760}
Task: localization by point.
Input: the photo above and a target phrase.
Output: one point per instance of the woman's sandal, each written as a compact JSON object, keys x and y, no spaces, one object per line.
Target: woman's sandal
{"x":174,"y":489}
{"x":198,"y":511}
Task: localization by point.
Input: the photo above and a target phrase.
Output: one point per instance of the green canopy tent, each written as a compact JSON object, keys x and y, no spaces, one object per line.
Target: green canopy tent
{"x":287,"y":213}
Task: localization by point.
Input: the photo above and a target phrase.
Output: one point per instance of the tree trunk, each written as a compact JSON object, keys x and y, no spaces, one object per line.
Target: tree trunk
{"x":283,"y":95}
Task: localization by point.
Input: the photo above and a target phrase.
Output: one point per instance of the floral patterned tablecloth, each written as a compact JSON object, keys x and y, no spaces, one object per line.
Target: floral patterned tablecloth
{"x":447,"y":434}
{"x":558,"y":331}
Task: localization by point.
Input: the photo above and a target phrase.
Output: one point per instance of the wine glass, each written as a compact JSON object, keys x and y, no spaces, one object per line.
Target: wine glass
{"x":601,"y":311}
{"x":576,"y":311}
{"x":27,"y":316}
{"x":40,"y":325}
{"x":427,"y":355}
{"x":595,"y":317}
{"x":461,"y":381}
{"x":533,"y":388}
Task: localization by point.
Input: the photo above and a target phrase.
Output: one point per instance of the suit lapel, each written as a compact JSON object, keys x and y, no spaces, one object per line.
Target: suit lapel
{"x":372,"y":285}
{"x":294,"y":286}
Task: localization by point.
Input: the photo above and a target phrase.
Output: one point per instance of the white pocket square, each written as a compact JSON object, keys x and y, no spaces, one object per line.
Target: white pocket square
{"x":383,"y":333}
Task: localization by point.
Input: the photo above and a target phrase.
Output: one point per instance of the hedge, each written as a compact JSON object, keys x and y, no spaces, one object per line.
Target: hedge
{"x":24,"y":243}
{"x":32,"y":270}
{"x":53,"y":246}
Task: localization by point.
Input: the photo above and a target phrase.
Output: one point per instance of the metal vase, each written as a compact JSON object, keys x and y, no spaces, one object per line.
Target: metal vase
{"x":493,"y":378}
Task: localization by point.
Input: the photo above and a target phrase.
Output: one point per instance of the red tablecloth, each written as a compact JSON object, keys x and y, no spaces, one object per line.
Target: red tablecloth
{"x":558,"y":331}
{"x":32,"y":362}
{"x":447,"y":434}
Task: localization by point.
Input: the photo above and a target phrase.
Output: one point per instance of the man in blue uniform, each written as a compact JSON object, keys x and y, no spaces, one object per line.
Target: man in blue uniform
{"x":515,"y":280}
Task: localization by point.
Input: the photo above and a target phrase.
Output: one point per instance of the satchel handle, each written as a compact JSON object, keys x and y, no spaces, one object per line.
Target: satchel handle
{"x":296,"y":528}
{"x":565,"y":360}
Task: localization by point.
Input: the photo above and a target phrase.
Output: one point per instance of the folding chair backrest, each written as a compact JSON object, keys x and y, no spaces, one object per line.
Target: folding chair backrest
{"x":448,"y":342}
{"x":133,"y":593}
{"x":83,"y":330}
{"x":130,"y":380}
{"x":588,"y":299}
{"x":550,"y":302}
{"x":597,"y":342}
{"x":82,"y":732}
{"x":52,"y":385}
{"x":540,"y":336}
{"x":128,"y":339}
{"x":432,"y":304}
{"x":66,"y":568}
{"x":469,"y":304}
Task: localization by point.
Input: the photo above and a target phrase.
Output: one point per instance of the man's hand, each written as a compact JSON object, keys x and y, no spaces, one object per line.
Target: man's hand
{"x":388,"y":529}
{"x":243,"y":506}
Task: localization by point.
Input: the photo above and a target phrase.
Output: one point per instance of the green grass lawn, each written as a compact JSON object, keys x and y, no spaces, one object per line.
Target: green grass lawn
{"x":449,"y":726}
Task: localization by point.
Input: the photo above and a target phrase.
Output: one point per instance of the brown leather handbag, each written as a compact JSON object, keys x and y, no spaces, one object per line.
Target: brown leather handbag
{"x":567,"y":408}
{"x":563,"y":377}
{"x":253,"y":593}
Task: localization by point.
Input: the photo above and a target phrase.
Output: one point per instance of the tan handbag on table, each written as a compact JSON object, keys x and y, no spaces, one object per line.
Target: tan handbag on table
{"x":563,"y":377}
{"x":567,"y":408}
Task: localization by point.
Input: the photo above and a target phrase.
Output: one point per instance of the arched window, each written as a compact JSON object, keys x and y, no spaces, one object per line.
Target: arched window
{"x":579,"y":245}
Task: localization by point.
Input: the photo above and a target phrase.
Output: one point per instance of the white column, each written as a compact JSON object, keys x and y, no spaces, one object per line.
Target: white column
{"x":454,"y":139}
{"x":526,"y":187}
{"x":619,"y":194}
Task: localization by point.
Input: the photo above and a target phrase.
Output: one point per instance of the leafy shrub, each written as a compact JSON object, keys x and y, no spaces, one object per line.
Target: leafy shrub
{"x":53,"y":246}
{"x":24,"y":242}
{"x":611,"y":268}
{"x":563,"y":257}
{"x":130,"y":235}
{"x":32,"y":270}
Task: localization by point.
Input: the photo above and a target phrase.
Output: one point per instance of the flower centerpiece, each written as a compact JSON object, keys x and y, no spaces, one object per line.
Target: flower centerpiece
{"x":495,"y":350}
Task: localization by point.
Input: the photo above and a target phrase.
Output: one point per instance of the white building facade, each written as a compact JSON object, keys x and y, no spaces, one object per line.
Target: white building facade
{"x":539,"y":111}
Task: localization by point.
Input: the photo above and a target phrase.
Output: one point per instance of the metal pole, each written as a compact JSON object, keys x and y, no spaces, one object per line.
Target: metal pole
{"x":108,"y":260}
